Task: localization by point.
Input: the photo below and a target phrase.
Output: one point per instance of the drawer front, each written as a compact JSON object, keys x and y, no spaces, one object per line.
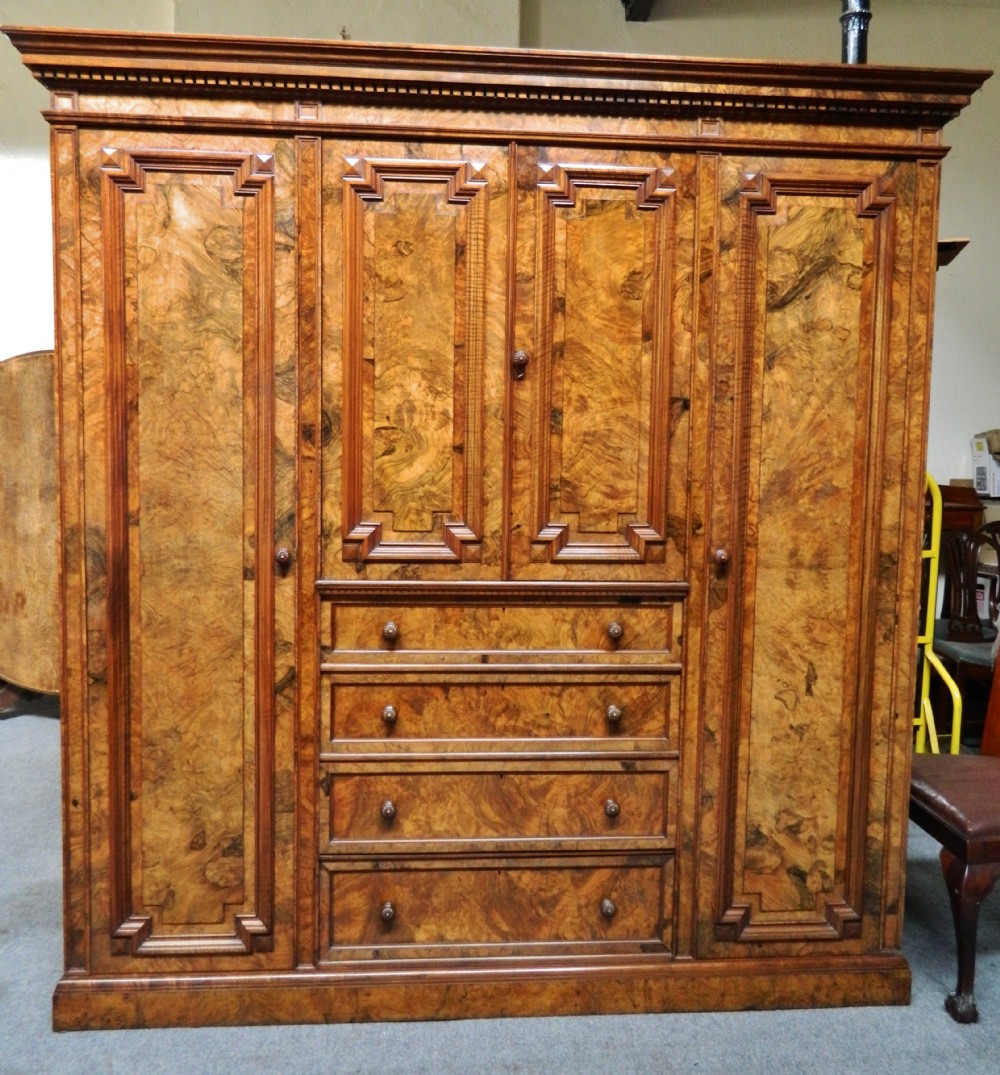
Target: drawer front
{"x":498,"y":805}
{"x":415,"y":628}
{"x":419,"y":911}
{"x":394,"y":713}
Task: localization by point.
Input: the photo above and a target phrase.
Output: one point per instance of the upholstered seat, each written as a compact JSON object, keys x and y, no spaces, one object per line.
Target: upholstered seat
{"x":960,"y":796}
{"x":980,"y":653}
{"x":956,"y":799}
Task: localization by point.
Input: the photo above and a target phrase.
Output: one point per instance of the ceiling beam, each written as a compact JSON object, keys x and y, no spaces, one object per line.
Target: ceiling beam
{"x":637,"y":10}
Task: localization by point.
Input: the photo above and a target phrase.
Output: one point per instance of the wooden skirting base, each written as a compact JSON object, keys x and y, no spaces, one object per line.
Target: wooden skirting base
{"x":89,"y":1003}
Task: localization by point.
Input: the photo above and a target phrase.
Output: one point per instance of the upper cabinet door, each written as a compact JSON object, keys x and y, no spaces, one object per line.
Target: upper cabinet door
{"x":415,"y":300}
{"x":600,"y":362}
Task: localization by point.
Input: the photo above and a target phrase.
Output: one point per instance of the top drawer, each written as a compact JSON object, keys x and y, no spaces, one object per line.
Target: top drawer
{"x":402,"y":628}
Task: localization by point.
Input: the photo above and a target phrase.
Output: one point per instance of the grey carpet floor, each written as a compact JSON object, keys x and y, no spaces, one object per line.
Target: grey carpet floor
{"x":915,"y":1040}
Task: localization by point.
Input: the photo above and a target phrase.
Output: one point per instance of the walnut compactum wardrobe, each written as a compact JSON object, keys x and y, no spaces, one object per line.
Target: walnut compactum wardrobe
{"x":492,"y":487}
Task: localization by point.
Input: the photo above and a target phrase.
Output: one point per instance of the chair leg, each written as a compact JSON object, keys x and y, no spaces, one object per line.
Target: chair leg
{"x":968,"y":886}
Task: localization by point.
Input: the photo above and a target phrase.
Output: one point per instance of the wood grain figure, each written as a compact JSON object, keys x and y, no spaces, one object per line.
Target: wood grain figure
{"x":29,"y":521}
{"x":491,"y":485}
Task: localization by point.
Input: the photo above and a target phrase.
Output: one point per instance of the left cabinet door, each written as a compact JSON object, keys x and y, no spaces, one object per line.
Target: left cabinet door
{"x":179,"y":550}
{"x":415,"y":300}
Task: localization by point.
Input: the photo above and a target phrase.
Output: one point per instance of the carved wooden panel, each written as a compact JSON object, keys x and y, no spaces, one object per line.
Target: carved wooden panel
{"x":188,"y":285}
{"x":813,"y":302}
{"x":414,"y":356}
{"x":597,"y":384}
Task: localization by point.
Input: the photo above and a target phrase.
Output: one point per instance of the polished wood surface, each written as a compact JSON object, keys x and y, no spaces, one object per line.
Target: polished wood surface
{"x":498,"y":804}
{"x":961,"y":508}
{"x":30,"y":652}
{"x":457,"y":628}
{"x":957,"y":805}
{"x":492,"y":490}
{"x":521,"y":907}
{"x":804,"y":615}
{"x":953,"y":797}
{"x":513,"y":715}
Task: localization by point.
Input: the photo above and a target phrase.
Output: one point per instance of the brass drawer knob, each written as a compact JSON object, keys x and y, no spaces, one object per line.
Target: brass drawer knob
{"x":519,"y":364}
{"x":389,"y":715}
{"x":615,"y":631}
{"x":613,"y":714}
{"x":387,"y":912}
{"x":608,"y":909}
{"x":388,"y":810}
{"x":611,"y":808}
{"x":390,"y":631}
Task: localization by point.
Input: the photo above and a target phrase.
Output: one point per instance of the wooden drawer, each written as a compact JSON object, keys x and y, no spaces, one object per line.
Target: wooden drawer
{"x":399,"y":715}
{"x":417,"y":628}
{"x":412,"y":911}
{"x":500,"y":805}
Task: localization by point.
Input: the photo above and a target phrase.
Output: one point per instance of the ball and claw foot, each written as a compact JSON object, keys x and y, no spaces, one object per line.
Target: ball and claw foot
{"x":962,"y":1007}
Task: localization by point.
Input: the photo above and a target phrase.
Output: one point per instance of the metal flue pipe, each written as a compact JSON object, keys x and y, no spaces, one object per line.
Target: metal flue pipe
{"x":854,"y":26}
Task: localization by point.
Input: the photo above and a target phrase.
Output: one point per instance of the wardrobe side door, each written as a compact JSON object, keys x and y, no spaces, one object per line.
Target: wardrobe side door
{"x":820,"y":367}
{"x":184,"y":532}
{"x":601,"y":366}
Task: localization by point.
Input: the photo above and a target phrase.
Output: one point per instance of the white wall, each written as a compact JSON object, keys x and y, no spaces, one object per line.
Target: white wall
{"x":440,"y":22}
{"x":26,"y":300}
{"x":965,"y":396}
{"x":26,"y":288}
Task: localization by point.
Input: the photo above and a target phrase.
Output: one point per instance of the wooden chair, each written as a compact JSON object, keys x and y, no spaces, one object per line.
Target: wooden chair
{"x":956,"y":799}
{"x":963,"y":637}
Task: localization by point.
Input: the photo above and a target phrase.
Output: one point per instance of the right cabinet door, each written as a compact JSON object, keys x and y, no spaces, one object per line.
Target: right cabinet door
{"x":814,"y":451}
{"x":600,"y":366}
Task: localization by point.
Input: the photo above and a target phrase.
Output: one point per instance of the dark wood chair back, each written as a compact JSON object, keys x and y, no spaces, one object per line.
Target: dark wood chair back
{"x":962,"y":554}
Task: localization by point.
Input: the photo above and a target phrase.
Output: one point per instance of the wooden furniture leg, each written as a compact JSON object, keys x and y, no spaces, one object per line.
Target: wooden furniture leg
{"x":968,"y":885}
{"x":953,"y":798}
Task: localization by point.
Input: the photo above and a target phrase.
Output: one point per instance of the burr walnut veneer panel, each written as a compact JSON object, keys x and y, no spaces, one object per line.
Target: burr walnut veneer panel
{"x":29,"y":590}
{"x":492,"y":487}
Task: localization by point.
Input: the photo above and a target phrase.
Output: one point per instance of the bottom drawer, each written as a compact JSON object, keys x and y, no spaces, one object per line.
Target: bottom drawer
{"x":467,"y":910}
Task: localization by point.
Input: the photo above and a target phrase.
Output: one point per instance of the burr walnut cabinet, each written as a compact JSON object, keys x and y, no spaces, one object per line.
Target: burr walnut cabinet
{"x":491,"y":498}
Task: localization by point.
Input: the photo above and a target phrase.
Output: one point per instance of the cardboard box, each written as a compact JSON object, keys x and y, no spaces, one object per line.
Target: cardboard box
{"x":985,"y":466}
